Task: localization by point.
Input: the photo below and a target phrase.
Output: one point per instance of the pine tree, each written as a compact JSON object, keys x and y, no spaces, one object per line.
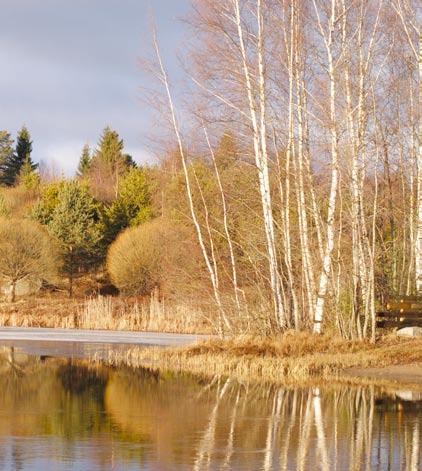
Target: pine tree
{"x":132,"y":207}
{"x":84,"y":162}
{"x":128,"y":161}
{"x":71,"y":217}
{"x":16,"y":160}
{"x":6,"y":153}
{"x":28,"y":177}
{"x":110,"y":148}
{"x":108,"y":165}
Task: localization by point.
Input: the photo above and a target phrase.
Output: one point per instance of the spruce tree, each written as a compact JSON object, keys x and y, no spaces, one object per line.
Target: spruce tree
{"x":28,"y":177}
{"x":128,"y":161}
{"x":15,"y":161}
{"x":109,"y":164}
{"x":24,"y":147}
{"x":71,"y":214}
{"x":110,"y":148}
{"x":133,"y":205}
{"x":6,"y":153}
{"x":84,"y":162}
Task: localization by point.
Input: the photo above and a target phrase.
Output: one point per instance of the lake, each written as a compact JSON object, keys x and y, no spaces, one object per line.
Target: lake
{"x":63,"y":414}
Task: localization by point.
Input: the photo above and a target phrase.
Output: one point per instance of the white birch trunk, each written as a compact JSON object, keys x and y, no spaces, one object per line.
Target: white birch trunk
{"x":209,"y":263}
{"x":361,"y":248}
{"x":412,"y":207}
{"x":307,"y":264}
{"x":226,"y":223}
{"x":290,"y":151}
{"x":418,"y":254}
{"x":332,"y":201}
{"x":411,"y":26}
{"x":261,"y":156}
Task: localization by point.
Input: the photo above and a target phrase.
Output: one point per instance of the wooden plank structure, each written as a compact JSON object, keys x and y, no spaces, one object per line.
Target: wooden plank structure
{"x":404,"y":311}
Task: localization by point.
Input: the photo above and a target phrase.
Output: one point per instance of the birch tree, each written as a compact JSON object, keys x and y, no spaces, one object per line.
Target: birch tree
{"x":209,"y":261}
{"x":410,"y":15}
{"x":258,"y":123}
{"x":321,"y":100}
{"x":328,"y":34}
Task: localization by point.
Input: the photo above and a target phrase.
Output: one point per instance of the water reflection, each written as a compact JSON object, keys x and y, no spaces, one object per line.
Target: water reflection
{"x":64,"y":415}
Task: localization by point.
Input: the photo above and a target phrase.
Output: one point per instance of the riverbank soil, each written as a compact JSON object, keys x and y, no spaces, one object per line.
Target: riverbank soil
{"x":408,"y":373}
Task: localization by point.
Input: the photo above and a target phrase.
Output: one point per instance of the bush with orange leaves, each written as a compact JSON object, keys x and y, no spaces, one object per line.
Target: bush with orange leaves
{"x":154,"y":255}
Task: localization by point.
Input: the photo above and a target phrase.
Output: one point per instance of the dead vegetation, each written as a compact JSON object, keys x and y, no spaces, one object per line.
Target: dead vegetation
{"x":292,"y":357}
{"x":101,"y":312}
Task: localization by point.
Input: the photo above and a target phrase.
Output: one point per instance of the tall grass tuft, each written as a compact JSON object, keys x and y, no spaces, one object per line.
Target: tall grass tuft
{"x":106,"y":313}
{"x":287,"y":358}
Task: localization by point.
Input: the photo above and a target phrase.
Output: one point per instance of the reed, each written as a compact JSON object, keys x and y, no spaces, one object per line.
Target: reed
{"x":153,"y":315}
{"x":292,"y":357}
{"x":104,"y":313}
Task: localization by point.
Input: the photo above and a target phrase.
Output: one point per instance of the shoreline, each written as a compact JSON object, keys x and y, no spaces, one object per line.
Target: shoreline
{"x":410,"y":373}
{"x":289,"y":358}
{"x":388,"y":363}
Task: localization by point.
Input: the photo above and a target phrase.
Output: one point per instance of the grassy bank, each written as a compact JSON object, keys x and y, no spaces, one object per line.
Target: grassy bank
{"x":292,"y":357}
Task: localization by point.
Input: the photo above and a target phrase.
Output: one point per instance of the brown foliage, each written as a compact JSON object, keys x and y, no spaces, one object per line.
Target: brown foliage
{"x":19,"y":200}
{"x":26,"y":251}
{"x":150,"y":256}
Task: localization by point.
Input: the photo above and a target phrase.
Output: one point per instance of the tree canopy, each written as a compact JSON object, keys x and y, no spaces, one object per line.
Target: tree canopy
{"x":84,"y":162}
{"x":71,"y":216}
{"x":17,"y":159}
{"x":26,"y":252}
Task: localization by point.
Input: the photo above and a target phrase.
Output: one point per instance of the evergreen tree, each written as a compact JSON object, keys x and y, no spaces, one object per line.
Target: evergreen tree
{"x":110,"y":148}
{"x":109,"y":165}
{"x":128,"y":161}
{"x":28,"y":177}
{"x":132,"y":207}
{"x":24,"y":147}
{"x":6,"y":153}
{"x":17,"y":159}
{"x":84,"y":162}
{"x":71,"y":215}
{"x":43,"y":211}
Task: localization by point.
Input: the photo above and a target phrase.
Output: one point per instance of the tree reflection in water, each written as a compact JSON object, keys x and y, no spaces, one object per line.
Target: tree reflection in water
{"x":102,"y":418}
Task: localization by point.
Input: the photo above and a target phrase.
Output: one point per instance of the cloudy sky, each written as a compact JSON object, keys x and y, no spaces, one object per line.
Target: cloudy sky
{"x":70,"y":67}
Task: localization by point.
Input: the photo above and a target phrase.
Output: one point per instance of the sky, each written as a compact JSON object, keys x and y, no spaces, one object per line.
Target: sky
{"x":71,"y":67}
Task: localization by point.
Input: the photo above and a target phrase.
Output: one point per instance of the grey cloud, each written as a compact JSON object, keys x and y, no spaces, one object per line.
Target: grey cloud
{"x":70,"y":68}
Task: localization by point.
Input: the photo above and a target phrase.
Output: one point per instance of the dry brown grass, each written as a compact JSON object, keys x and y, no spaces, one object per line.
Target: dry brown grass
{"x":292,"y":357}
{"x":152,"y":315}
{"x":109,"y":313}
{"x":19,"y":200}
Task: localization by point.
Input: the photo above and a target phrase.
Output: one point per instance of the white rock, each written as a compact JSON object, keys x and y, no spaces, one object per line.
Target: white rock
{"x":410,"y":332}
{"x":409,"y":395}
{"x":23,"y":287}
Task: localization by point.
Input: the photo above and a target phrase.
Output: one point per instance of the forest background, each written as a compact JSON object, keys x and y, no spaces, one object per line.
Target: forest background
{"x":287,"y":195}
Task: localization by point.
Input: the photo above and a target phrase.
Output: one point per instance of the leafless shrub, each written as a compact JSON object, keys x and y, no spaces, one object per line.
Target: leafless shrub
{"x":26,"y":252}
{"x":148,"y":257}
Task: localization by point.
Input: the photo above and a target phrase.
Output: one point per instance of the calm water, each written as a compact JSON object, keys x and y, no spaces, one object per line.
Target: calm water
{"x":64,"y":415}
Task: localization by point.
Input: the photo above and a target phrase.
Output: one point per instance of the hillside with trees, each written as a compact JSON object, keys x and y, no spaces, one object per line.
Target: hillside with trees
{"x":290,"y":198}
